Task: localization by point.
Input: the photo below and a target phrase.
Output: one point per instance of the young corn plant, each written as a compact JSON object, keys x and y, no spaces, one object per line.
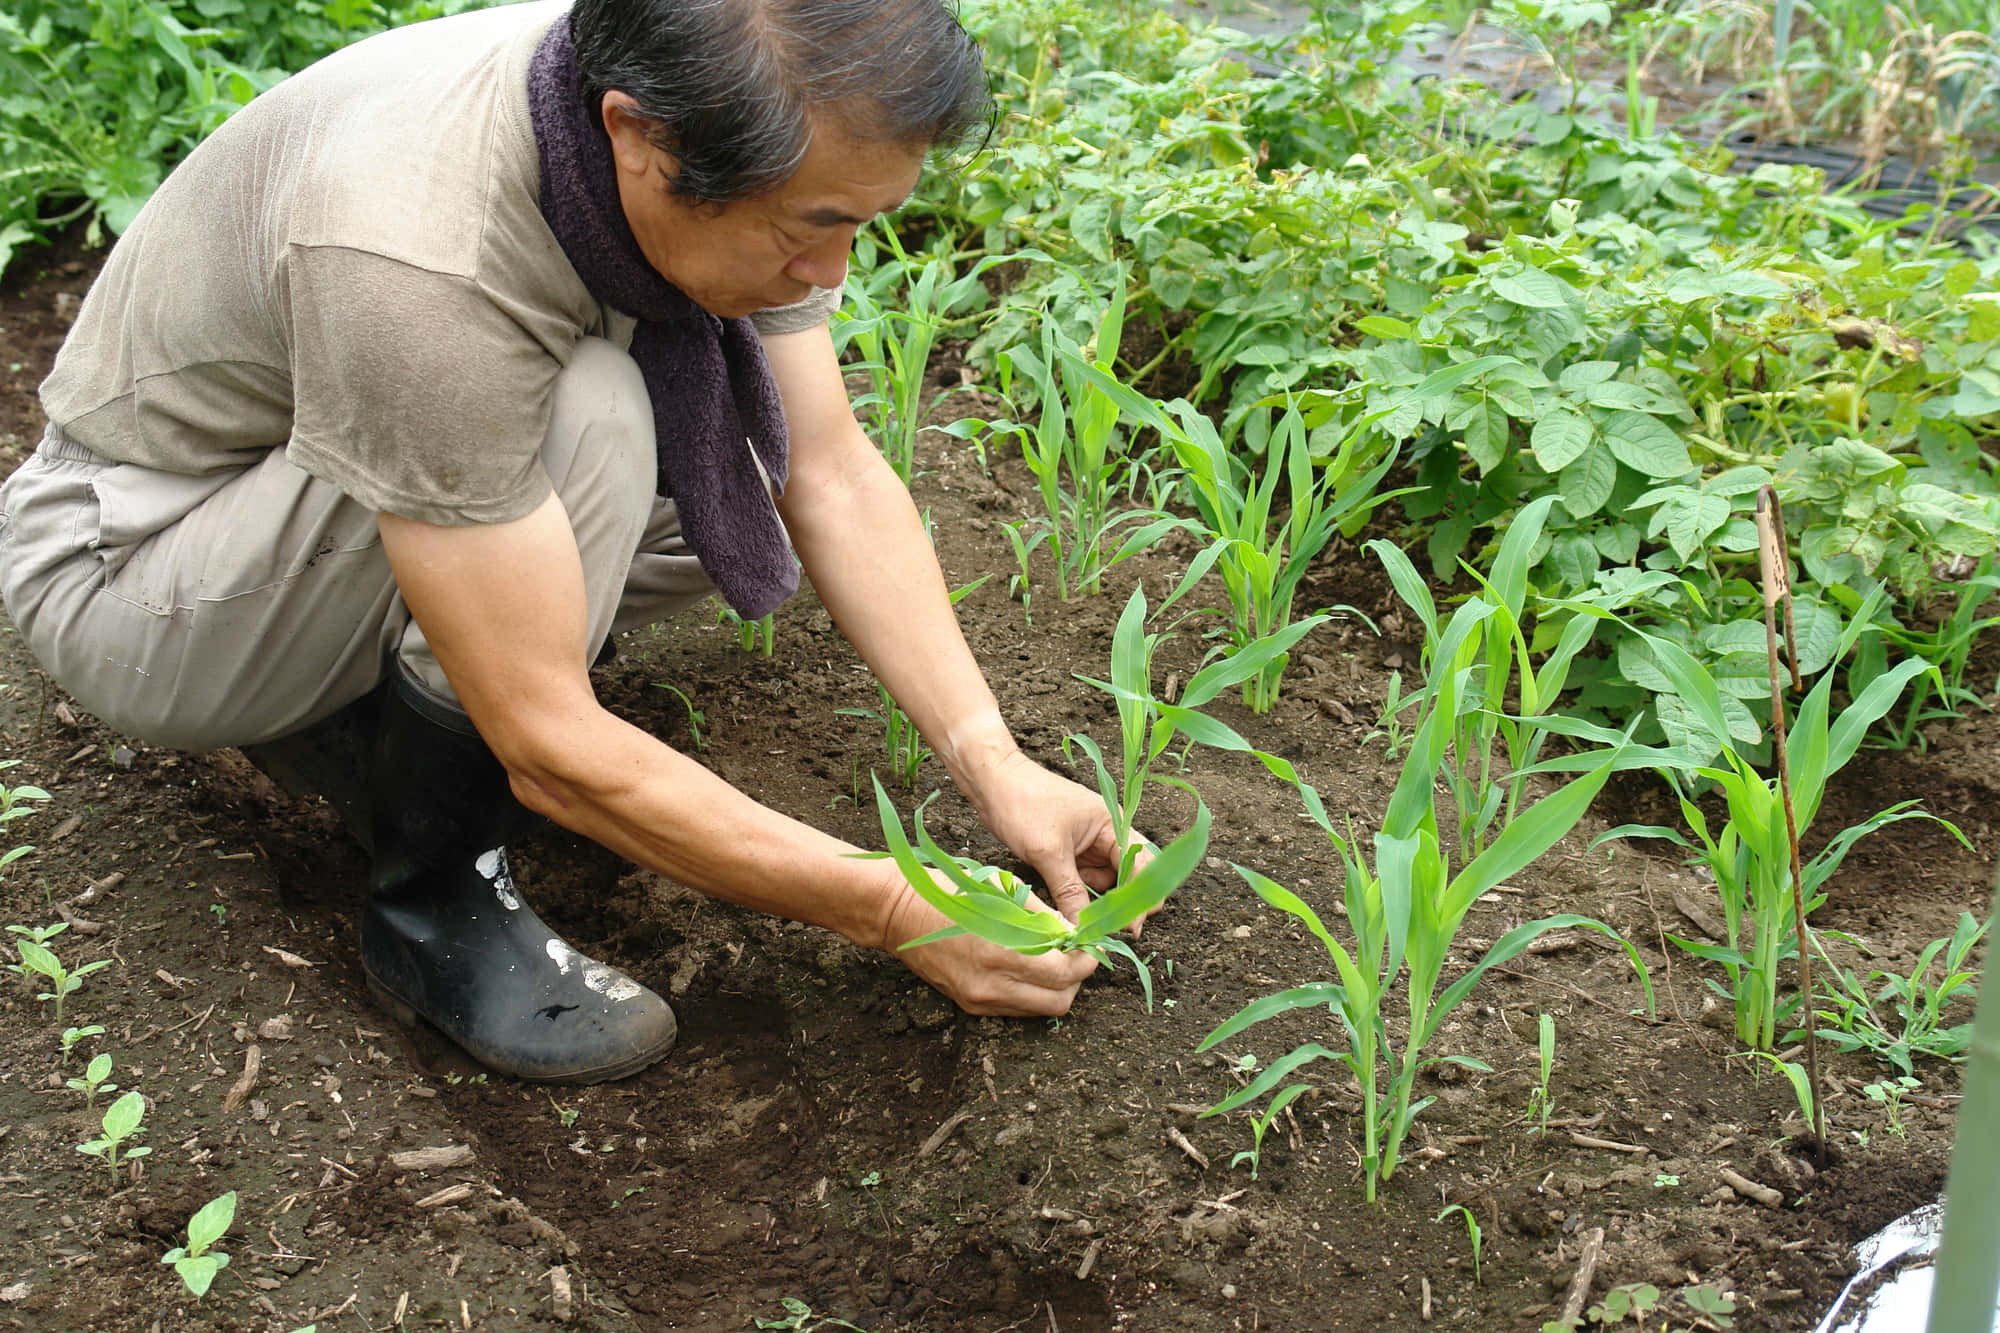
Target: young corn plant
{"x":1262,"y":531}
{"x":1750,"y":855}
{"x":901,"y":741}
{"x":1403,"y":912}
{"x":1539,"y":1102}
{"x":121,"y":1122}
{"x":198,"y":1261}
{"x":993,"y":904}
{"x":1077,"y":453}
{"x":1148,"y":726}
{"x":1948,"y":647}
{"x":889,"y":336}
{"x":752,"y":636}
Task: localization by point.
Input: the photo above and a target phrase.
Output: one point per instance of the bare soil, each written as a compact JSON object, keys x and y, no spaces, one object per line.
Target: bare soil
{"x":832,"y":1131}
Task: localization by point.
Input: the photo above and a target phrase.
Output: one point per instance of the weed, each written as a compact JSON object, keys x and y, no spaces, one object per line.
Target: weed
{"x":198,"y":1262}
{"x":13,"y":799}
{"x":71,"y":1036}
{"x":37,"y":957}
{"x":799,"y":1318}
{"x":121,"y":1122}
{"x":93,"y":1078}
{"x":1889,"y":1094}
{"x":1914,"y":1023}
{"x":1259,"y":1123}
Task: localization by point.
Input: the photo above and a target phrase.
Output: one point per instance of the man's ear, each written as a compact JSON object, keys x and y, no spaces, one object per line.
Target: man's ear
{"x":628,"y":128}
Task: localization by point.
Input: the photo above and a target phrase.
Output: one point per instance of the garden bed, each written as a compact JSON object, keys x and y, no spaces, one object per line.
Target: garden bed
{"x":831,"y":1131}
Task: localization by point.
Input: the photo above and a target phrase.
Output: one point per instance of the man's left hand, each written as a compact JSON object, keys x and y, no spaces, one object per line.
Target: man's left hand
{"x":1056,"y":826}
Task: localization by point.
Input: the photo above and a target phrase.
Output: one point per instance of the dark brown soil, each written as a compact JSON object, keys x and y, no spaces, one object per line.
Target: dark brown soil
{"x":829,"y":1129}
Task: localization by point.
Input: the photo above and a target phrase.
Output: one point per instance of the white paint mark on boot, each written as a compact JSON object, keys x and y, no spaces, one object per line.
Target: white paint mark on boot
{"x":493,"y":865}
{"x":601,"y":978}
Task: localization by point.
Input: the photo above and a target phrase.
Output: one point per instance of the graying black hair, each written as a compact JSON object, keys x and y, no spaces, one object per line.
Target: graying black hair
{"x":735,"y":89}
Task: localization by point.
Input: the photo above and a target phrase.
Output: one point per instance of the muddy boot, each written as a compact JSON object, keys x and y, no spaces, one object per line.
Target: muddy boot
{"x":329,"y":759}
{"x":444,"y":937}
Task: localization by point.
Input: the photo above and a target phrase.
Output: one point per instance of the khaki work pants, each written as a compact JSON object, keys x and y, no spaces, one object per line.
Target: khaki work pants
{"x":197,"y":612}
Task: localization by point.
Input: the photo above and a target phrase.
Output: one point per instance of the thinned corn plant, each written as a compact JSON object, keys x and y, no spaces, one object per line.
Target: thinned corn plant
{"x":1404,"y":911}
{"x":992,"y":903}
{"x":1750,"y":855}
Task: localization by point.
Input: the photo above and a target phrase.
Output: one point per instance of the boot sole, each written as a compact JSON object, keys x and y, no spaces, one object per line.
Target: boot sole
{"x":406,"y":1014}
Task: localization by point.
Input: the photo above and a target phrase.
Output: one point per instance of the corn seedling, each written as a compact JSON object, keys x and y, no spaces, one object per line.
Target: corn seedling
{"x":1261,"y":557}
{"x":1799,"y":1080}
{"x":993,"y":904}
{"x":41,"y":960}
{"x":1148,"y":725}
{"x":1491,"y":751}
{"x":198,"y":1261}
{"x":1898,"y":1018}
{"x":71,"y":1036}
{"x":696,"y":719}
{"x":889,"y":338}
{"x":93,"y":1080}
{"x":1077,"y":453}
{"x":1539,"y":1104}
{"x":901,"y":741}
{"x":1934,"y":697}
{"x":121,"y":1122}
{"x":1472,"y":1233}
{"x":752,"y":636}
{"x":1750,"y":855}
{"x":1404,"y":911}
{"x":12,"y":807}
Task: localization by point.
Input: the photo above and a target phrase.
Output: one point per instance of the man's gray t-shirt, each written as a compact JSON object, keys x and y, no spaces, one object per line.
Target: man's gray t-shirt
{"x":354,"y":267}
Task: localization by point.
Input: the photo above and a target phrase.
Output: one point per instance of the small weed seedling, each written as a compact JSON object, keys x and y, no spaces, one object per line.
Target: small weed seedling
{"x":71,"y":1036}
{"x":38,"y":958}
{"x":198,"y":1262}
{"x":1472,"y":1234}
{"x":121,"y":1122}
{"x":1888,"y":1094}
{"x":566,"y":1114}
{"x":1914,"y":1025}
{"x":93,"y":1078}
{"x":799,"y":1318}
{"x":11,"y":808}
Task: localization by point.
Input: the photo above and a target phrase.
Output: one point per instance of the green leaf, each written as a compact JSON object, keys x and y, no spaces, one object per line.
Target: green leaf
{"x":1588,"y":482}
{"x":1168,"y":870}
{"x":1534,"y":289}
{"x":1691,"y":519}
{"x":210,"y":1221}
{"x":1090,"y":226}
{"x":1384,"y":327}
{"x":1648,"y":445}
{"x":1560,"y":438}
{"x":1309,"y":996}
{"x":123,"y":1116}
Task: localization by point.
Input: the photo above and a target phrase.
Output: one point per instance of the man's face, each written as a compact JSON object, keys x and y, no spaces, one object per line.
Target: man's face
{"x":733,"y":259}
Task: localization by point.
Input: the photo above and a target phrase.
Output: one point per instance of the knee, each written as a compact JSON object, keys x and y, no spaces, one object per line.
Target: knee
{"x":601,"y":425}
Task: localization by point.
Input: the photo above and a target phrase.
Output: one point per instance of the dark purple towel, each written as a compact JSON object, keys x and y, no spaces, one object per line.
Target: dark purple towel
{"x":713,"y":396}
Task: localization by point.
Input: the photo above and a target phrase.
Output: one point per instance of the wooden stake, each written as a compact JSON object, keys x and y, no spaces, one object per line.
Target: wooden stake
{"x":1774,"y":556}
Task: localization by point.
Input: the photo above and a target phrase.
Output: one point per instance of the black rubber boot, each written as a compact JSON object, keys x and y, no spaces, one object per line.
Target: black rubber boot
{"x":330,"y":759}
{"x":445,"y":938}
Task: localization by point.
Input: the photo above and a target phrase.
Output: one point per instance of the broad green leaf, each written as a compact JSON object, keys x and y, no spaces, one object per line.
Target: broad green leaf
{"x":1692,"y":519}
{"x":1534,"y":289}
{"x":1559,"y":439}
{"x":1647,"y":445}
{"x":1090,"y":226}
{"x":123,"y":1116}
{"x":1588,"y":482}
{"x":210,"y":1221}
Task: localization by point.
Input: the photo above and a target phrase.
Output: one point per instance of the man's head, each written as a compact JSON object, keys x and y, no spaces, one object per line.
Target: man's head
{"x":737,"y":91}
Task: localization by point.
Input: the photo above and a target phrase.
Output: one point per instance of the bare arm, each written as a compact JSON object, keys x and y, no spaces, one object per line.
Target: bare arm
{"x":503,"y":608}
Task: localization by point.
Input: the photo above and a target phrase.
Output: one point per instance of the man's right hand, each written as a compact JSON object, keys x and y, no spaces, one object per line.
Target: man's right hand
{"x":979,"y":977}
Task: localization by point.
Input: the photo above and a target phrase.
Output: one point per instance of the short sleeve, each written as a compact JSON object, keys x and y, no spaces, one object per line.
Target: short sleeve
{"x":814,"y":310}
{"x":414,"y":391}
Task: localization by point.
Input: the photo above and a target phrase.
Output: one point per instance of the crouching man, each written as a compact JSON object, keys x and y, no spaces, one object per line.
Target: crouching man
{"x":462,"y":351}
